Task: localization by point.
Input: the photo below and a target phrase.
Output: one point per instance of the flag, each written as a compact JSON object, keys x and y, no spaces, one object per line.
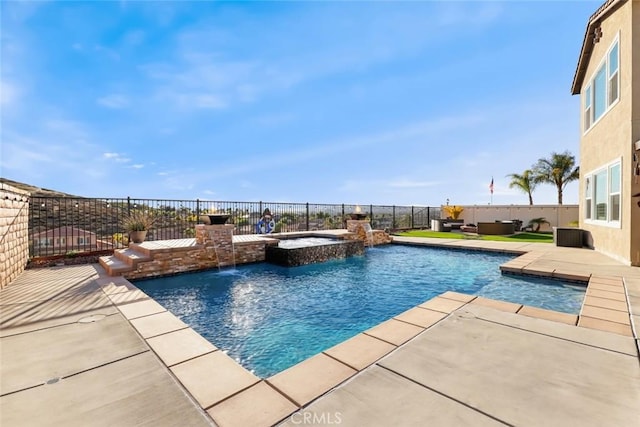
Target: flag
{"x":491,"y":186}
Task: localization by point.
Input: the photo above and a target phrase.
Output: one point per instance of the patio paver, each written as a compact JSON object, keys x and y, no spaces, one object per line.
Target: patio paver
{"x":605,"y":325}
{"x":421,"y":316}
{"x":517,"y":375}
{"x":258,"y":406}
{"x":605,"y":314}
{"x":311,"y":378}
{"x":93,"y":344}
{"x":157,"y":324}
{"x":213,"y":377}
{"x":394,"y":331}
{"x":379,"y":397}
{"x":132,"y":391}
{"x":360,"y":351}
{"x":569,"y":319}
{"x":443,"y":305}
{"x":179,"y":346}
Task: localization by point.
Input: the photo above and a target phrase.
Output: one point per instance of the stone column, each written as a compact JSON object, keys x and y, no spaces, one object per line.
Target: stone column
{"x":217,"y":241}
{"x":361,"y":227}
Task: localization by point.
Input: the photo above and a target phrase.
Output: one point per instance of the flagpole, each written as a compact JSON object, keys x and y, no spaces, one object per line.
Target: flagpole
{"x":491,"y":191}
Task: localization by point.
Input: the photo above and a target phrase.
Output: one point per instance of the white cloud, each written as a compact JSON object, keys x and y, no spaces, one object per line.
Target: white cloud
{"x":137,"y":166}
{"x":117,"y":157}
{"x":115,"y":101}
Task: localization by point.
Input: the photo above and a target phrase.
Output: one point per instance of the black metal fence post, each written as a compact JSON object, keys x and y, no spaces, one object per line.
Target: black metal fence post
{"x":393,"y":217}
{"x":371,"y":214}
{"x":412,"y":220}
{"x":128,"y":205}
{"x":307,"y":215}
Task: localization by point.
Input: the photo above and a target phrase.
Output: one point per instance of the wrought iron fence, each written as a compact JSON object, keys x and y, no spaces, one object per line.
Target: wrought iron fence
{"x":64,"y":225}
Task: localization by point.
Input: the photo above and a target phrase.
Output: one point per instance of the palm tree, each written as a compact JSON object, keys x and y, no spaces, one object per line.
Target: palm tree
{"x":559,"y":169}
{"x":524,"y":182}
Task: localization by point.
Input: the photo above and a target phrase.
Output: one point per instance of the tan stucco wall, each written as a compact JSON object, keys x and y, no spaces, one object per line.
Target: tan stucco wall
{"x":558,"y":216}
{"x":610,"y":138}
{"x":635,"y":124}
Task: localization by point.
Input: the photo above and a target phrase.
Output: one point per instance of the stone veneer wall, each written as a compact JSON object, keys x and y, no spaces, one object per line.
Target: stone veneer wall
{"x":222,"y":235}
{"x":14,"y":232}
{"x":194,"y":259}
{"x":293,"y":257}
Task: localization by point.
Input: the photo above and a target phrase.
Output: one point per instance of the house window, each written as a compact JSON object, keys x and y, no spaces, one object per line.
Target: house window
{"x":602,"y":91}
{"x":614,"y":75}
{"x":602,"y":194}
{"x":81,"y":240}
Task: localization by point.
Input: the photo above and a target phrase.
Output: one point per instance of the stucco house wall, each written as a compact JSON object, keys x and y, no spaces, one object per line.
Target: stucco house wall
{"x":611,"y":138}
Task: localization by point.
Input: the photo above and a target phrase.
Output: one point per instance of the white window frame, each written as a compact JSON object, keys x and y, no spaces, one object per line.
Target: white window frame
{"x":612,"y":193}
{"x":588,"y":198}
{"x":591,"y":198}
{"x":615,"y":76}
{"x":588,"y":105}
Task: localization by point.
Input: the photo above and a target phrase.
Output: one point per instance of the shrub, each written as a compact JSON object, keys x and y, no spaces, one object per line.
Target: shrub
{"x":138,"y":220}
{"x":453,"y":211}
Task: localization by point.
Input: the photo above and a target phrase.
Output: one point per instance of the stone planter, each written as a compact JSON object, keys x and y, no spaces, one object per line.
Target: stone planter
{"x":137,"y":236}
{"x":215,"y":219}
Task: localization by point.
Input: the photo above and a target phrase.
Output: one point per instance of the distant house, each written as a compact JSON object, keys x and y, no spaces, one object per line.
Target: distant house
{"x":64,"y":239}
{"x":607,"y":79}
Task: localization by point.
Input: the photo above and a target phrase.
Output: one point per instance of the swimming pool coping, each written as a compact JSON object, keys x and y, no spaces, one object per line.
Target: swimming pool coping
{"x":186,"y":354}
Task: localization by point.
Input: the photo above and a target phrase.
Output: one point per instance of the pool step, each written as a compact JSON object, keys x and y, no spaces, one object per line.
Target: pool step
{"x":123,"y":261}
{"x":114,"y":266}
{"x":131,"y":257}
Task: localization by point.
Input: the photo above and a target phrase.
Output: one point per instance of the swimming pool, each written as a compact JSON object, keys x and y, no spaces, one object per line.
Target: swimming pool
{"x":269,"y":318}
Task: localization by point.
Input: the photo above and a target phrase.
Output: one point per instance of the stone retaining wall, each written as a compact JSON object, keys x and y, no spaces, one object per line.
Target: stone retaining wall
{"x":196,"y":258}
{"x":14,"y":232}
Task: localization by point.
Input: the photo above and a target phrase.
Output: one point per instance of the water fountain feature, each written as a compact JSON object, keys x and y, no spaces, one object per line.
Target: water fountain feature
{"x":218,"y":234}
{"x":369,"y":233}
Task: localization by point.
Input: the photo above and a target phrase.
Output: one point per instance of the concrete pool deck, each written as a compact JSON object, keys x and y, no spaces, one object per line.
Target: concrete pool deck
{"x":80,"y":348}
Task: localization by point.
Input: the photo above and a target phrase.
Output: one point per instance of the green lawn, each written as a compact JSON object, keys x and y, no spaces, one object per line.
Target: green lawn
{"x":520,"y":237}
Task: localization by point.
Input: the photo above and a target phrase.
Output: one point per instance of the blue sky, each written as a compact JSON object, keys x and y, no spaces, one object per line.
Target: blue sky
{"x":406,"y":103}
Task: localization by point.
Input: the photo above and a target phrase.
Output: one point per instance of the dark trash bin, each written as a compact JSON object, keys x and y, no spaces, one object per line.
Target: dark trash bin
{"x":568,"y":237}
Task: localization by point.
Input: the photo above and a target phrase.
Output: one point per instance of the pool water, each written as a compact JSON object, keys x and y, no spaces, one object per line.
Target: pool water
{"x":269,"y":318}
